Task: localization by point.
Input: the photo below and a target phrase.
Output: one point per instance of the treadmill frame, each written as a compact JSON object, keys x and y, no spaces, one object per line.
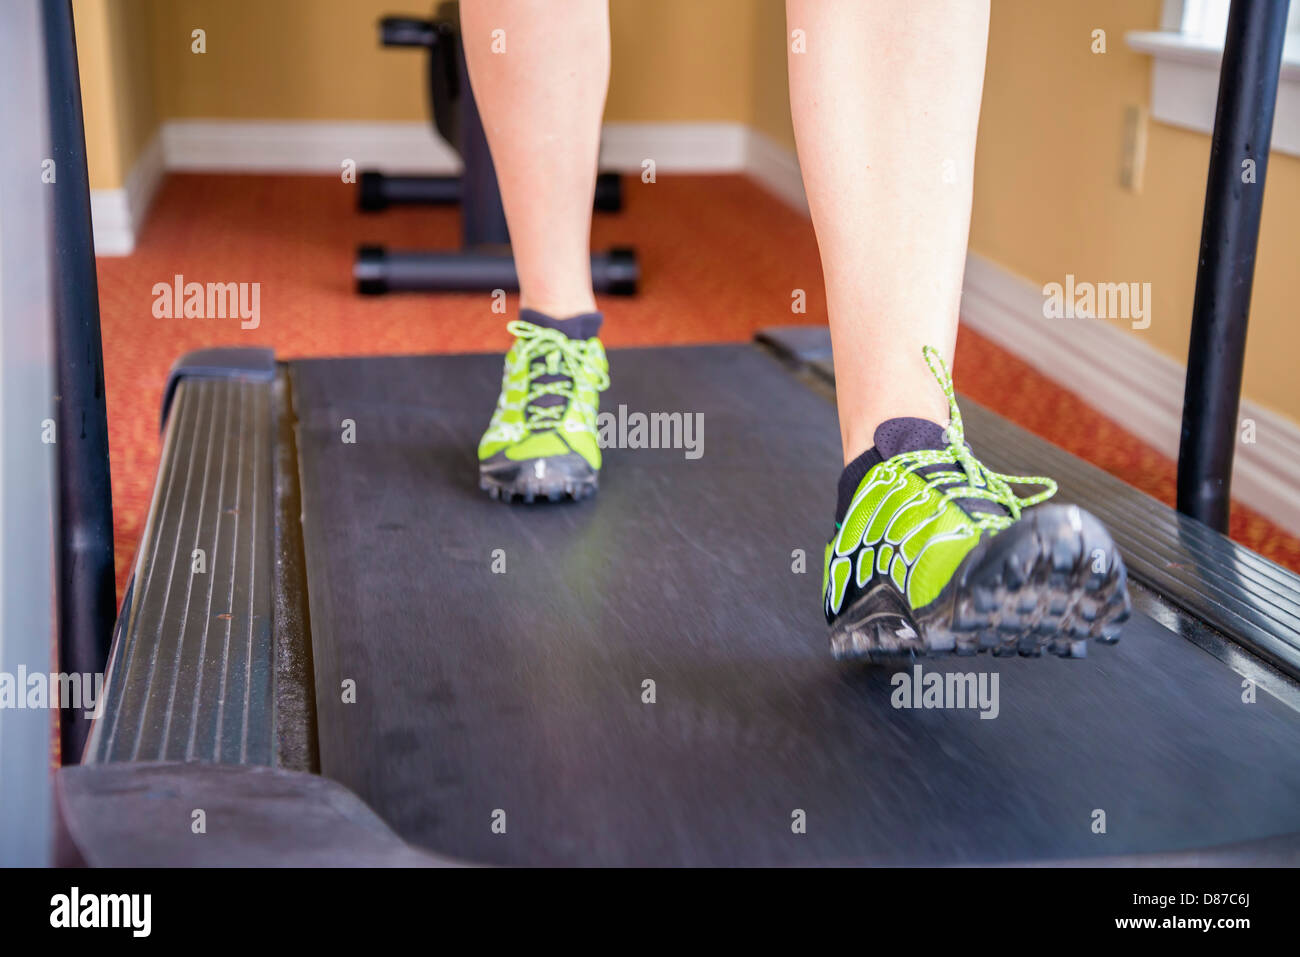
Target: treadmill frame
{"x":85,"y":499}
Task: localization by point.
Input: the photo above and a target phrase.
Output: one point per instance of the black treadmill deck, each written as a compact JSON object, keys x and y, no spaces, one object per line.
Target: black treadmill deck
{"x":522,"y":692}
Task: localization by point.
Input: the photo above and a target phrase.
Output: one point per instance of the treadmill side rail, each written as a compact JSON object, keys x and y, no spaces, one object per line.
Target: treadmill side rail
{"x":191,"y":674}
{"x":250,"y":364}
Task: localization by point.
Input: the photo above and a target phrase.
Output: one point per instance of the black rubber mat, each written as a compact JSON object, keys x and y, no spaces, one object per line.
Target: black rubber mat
{"x":518,"y":698}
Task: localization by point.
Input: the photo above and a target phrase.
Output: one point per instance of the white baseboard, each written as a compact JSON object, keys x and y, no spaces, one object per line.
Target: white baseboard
{"x":304,"y":146}
{"x":705,"y":148}
{"x":118,"y":214}
{"x":674,"y":147}
{"x":1128,"y":381}
{"x":776,"y":168}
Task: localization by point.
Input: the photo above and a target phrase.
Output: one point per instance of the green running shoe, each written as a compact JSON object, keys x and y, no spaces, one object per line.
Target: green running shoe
{"x":542,"y":441}
{"x":936,"y":554}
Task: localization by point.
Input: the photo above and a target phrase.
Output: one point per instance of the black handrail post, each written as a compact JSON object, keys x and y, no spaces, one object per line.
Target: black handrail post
{"x":1234,"y":199}
{"x":87,"y":593}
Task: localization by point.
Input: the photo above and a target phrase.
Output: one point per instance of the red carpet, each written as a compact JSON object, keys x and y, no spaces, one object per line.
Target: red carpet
{"x":719,"y":255}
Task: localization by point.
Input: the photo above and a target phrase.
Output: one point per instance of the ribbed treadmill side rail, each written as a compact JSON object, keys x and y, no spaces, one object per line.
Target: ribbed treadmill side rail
{"x":1234,"y":590}
{"x":192,"y":669}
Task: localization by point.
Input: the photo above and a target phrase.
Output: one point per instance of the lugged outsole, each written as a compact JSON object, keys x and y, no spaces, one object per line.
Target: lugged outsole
{"x":564,"y":478}
{"x":575,"y":492}
{"x":1049,"y":583}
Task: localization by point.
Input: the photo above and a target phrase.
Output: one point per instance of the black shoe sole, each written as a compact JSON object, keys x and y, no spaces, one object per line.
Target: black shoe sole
{"x":1051,"y":582}
{"x":563,"y":478}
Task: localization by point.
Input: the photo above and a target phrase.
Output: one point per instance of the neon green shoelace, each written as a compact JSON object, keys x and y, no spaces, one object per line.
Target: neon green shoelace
{"x":563,"y":357}
{"x":975,"y":480}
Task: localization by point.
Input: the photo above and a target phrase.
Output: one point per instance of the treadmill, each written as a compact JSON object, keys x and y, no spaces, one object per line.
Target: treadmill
{"x":375,"y":664}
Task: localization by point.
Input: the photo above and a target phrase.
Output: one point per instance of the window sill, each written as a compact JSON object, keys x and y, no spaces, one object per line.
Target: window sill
{"x":1185,"y":86}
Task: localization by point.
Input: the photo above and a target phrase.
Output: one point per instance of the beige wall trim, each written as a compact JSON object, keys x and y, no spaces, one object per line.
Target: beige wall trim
{"x":1128,"y":381}
{"x":118,"y":214}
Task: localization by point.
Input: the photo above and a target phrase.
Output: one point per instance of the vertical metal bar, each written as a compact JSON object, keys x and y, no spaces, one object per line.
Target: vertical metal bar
{"x":27,"y":462}
{"x":87,"y":594}
{"x":1234,"y":198}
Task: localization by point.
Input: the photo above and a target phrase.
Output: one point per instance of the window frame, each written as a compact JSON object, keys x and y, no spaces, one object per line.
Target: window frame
{"x":1186,"y":52}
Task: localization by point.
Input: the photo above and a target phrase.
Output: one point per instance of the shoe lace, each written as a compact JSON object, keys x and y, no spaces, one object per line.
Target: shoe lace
{"x":548,"y":352}
{"x":971,"y":478}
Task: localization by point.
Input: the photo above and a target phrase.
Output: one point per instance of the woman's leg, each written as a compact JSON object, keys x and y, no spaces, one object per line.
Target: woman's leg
{"x":886,"y":103}
{"x":540,"y":70}
{"x":541,"y":101}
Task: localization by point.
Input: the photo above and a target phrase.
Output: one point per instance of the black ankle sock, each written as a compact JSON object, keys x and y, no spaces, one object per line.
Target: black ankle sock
{"x":893,"y":437}
{"x":582,"y":326}
{"x":851,"y":478}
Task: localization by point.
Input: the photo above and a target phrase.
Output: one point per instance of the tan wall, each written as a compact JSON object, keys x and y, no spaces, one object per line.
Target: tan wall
{"x":770,"y":109}
{"x":681,"y":60}
{"x":98,"y":103}
{"x":1048,"y":200}
{"x":319,"y":59}
{"x":113,"y":40}
{"x":131,"y":30}
{"x":283,"y":59}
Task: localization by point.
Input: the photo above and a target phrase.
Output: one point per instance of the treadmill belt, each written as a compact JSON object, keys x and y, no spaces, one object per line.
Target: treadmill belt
{"x":482,"y":689}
